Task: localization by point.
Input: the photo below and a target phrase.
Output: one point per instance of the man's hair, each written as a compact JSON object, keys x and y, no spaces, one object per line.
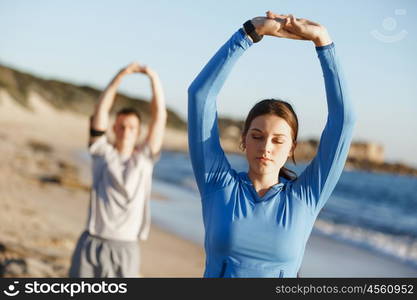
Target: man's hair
{"x":129,"y":111}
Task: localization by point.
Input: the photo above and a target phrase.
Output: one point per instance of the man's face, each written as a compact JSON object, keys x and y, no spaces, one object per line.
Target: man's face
{"x":126,"y":128}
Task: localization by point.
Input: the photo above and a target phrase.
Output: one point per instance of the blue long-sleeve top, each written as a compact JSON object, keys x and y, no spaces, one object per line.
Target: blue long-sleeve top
{"x":247,"y":235}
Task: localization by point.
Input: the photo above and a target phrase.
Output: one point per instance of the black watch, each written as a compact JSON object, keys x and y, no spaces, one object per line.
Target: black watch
{"x":250,"y":30}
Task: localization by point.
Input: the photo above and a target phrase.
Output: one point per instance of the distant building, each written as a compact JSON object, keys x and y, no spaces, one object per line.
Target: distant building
{"x":367,"y":152}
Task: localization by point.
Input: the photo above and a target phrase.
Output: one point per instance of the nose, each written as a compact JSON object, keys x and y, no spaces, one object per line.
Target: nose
{"x":267,"y":146}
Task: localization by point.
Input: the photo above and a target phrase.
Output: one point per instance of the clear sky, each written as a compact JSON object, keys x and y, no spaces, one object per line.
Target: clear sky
{"x":87,"y":42}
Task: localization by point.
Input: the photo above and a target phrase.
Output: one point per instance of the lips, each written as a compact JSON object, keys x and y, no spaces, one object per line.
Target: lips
{"x":263,"y":159}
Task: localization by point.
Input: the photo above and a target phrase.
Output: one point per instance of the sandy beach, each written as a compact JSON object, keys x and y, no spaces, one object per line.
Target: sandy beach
{"x":43,"y":204}
{"x":44,"y":200}
{"x":41,"y":222}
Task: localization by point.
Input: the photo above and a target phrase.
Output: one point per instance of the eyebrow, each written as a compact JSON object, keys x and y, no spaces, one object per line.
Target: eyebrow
{"x":275,"y":134}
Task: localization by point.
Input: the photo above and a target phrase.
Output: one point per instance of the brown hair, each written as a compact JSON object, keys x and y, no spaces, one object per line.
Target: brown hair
{"x":283,"y":110}
{"x":129,"y":111}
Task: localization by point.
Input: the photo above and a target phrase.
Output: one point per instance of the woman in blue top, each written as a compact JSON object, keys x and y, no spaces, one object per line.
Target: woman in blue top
{"x":257,"y":223}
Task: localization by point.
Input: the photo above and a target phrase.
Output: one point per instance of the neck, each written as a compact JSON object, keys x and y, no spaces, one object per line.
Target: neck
{"x":124,"y":148}
{"x":263,"y":182}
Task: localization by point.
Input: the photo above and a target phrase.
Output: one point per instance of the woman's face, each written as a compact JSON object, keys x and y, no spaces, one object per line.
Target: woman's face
{"x":268,"y":144}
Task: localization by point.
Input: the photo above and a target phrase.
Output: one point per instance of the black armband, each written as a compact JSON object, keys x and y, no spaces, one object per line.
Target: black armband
{"x":95,"y":133}
{"x":250,"y":30}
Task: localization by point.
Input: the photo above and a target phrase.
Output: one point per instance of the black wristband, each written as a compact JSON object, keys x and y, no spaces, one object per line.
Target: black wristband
{"x":95,"y":133}
{"x":250,"y":30}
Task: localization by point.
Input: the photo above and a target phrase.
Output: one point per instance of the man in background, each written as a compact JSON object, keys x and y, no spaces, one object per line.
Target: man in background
{"x":119,"y":212}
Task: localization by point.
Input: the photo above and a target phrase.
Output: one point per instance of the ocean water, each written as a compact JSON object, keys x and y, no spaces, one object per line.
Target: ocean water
{"x":369,"y":210}
{"x":372,"y":210}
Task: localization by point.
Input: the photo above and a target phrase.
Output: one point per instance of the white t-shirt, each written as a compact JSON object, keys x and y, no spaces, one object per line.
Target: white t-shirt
{"x":120,"y":195}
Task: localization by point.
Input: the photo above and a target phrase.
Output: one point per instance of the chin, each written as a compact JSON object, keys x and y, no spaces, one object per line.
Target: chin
{"x":261,"y":170}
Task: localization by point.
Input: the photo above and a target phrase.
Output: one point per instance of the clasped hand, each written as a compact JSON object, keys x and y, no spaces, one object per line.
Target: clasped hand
{"x":287,"y":26}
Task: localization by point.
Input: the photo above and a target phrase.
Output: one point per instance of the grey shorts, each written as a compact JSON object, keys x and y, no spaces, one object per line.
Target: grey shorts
{"x":103,"y":258}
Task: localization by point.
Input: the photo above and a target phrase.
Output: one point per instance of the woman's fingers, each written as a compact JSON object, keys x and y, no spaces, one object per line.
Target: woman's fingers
{"x":283,"y":33}
{"x":309,"y":22}
{"x":289,"y":35}
{"x":278,"y":25}
{"x":294,"y":28}
{"x":285,"y":29}
{"x":288,"y":26}
{"x":293,"y":25}
{"x":272,"y":15}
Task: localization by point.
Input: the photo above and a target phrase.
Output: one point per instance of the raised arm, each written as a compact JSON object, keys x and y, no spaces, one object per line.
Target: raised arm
{"x":100,"y":118}
{"x":207,"y":157}
{"x":318,"y":180}
{"x":158,"y":120}
{"x":210,"y":165}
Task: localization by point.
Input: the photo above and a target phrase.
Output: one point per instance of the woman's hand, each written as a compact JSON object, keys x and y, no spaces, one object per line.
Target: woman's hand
{"x":273,"y":27}
{"x":304,"y":28}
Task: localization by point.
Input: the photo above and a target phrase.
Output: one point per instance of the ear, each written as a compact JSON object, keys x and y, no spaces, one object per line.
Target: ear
{"x":242,"y":145}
